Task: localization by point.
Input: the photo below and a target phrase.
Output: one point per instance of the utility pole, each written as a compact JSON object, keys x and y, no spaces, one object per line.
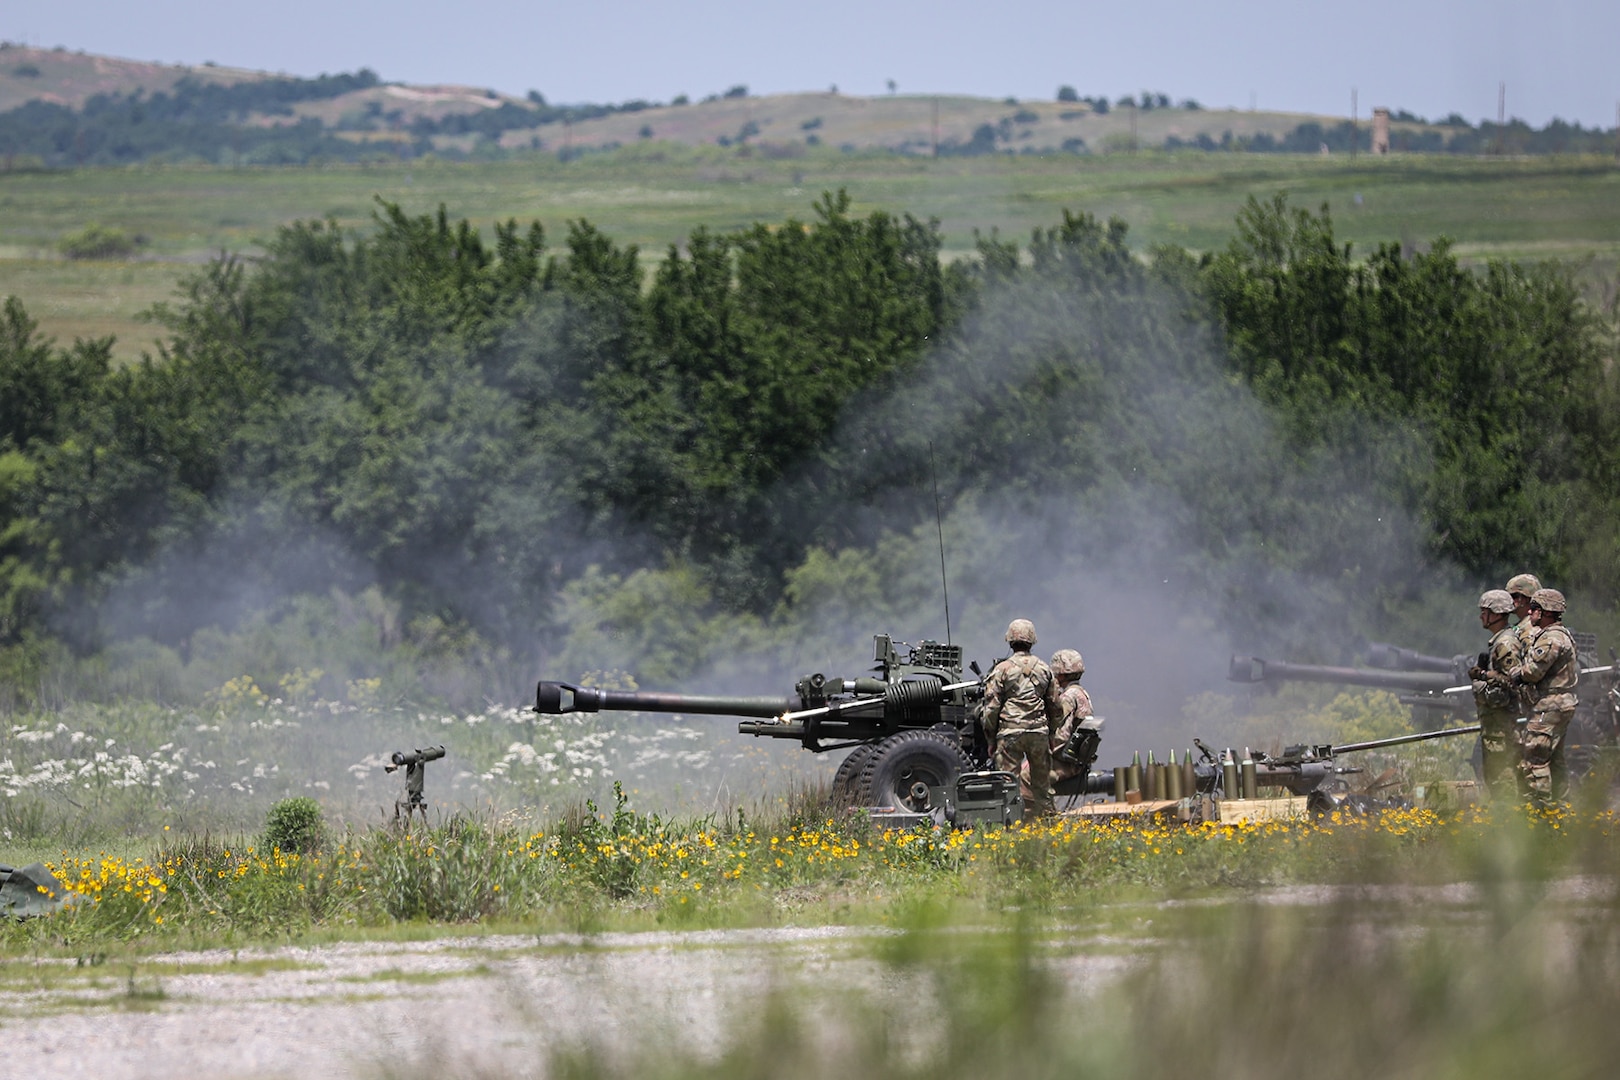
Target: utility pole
{"x":1354,"y":116}
{"x":1501,"y":117}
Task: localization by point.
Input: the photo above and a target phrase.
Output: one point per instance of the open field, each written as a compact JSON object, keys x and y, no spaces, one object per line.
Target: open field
{"x":783,"y":940}
{"x":654,"y":195}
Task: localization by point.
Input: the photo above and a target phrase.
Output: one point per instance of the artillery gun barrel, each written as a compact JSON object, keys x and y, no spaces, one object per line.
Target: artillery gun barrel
{"x":1401,"y":740}
{"x":1252,"y":669}
{"x":555,"y":698}
{"x":860,"y":704}
{"x":1394,"y":658}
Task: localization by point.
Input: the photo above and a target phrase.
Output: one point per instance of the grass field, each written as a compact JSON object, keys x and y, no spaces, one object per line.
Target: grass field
{"x":654,"y":195}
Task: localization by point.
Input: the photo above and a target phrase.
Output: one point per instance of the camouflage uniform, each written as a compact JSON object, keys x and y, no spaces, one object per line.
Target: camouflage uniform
{"x":1523,"y":585}
{"x":1549,"y":673}
{"x":1498,"y":708}
{"x":1076,"y":707}
{"x":1021,"y":709}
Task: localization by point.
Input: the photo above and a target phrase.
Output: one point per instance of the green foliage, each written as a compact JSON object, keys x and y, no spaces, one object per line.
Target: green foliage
{"x":663,"y":624}
{"x":479,"y":448}
{"x":96,"y":241}
{"x":295,"y":825}
{"x":1486,"y":365}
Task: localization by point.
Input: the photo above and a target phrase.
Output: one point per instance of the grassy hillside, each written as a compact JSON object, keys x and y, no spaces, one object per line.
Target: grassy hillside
{"x":655,"y":194}
{"x":785,"y":124}
{"x":72,"y":78}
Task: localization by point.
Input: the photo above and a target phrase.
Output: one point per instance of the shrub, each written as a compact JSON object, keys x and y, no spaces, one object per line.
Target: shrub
{"x":96,"y":241}
{"x":295,"y":825}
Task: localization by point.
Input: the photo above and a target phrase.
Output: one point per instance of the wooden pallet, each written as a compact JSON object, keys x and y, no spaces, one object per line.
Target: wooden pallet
{"x":1239,"y":811}
{"x":1113,"y":810}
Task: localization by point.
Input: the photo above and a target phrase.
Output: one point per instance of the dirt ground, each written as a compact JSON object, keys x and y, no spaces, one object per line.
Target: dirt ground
{"x":456,"y":1006}
{"x":501,"y":1005}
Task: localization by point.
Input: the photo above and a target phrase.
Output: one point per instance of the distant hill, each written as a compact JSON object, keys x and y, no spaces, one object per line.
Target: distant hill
{"x":61,"y":77}
{"x":61,"y":109}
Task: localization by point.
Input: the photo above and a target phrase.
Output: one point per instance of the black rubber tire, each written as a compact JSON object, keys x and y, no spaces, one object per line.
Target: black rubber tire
{"x":905,"y":764}
{"x":846,"y":785}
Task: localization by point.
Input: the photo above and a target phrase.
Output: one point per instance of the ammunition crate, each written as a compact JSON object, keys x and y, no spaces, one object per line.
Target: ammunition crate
{"x":984,"y":798}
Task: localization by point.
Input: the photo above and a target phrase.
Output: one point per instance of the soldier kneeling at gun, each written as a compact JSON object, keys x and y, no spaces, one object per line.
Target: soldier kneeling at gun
{"x":1067,"y":666}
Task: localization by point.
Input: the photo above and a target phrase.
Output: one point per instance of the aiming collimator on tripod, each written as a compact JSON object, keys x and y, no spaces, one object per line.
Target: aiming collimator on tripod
{"x":414,"y":762}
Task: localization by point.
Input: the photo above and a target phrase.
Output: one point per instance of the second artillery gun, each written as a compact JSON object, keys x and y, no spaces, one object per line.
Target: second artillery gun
{"x":1437,"y":689}
{"x":912,"y":725}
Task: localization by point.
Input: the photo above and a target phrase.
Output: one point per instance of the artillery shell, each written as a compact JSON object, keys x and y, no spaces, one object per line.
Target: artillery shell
{"x":1251,"y":781}
{"x":1189,"y":775}
{"x":1172,"y":779}
{"x":1229,"y":776}
{"x":1133,"y":777}
{"x":1119,"y":782}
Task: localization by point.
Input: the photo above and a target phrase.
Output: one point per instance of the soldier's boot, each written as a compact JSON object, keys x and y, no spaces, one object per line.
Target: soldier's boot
{"x":1537,"y":776}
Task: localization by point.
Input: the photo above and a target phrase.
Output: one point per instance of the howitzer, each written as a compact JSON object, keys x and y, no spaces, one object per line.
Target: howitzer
{"x":1419,"y":689}
{"x":912,"y":723}
{"x":1311,"y":770}
{"x":1395,"y":658}
{"x":1438,"y":686}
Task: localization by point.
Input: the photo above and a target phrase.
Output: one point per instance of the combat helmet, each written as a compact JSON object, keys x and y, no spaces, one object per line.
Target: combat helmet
{"x":1068,"y":662}
{"x":1021,"y":630}
{"x":1548,"y":600}
{"x":1498,"y":601}
{"x":1523,"y":584}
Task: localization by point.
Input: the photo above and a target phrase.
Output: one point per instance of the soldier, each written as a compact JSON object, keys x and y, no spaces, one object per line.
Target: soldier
{"x":1521,"y":587}
{"x":1494,"y":699}
{"x":1021,"y":710}
{"x":1549,"y":672}
{"x":1067,"y":667}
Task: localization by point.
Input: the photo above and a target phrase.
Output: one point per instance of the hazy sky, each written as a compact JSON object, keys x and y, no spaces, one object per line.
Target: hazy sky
{"x":1558,"y":57}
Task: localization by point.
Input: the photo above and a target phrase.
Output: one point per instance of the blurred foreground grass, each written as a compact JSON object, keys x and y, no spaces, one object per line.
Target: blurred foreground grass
{"x":1518,"y":983}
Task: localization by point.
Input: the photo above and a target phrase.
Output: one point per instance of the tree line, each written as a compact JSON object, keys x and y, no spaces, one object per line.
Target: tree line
{"x":495,"y":433}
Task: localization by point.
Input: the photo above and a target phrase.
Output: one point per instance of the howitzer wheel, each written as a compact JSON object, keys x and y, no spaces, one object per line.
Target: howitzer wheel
{"x":905,"y":765}
{"x":846,"y":785}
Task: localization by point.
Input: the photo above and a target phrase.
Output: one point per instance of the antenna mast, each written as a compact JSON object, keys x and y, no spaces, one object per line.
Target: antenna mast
{"x":939,"y":523}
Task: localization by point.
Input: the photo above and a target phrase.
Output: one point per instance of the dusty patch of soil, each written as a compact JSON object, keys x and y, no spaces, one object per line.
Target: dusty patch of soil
{"x":456,"y":1006}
